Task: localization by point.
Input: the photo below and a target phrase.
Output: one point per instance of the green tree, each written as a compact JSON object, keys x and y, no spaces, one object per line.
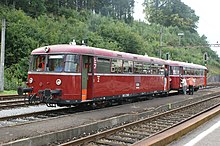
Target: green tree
{"x":171,"y":13}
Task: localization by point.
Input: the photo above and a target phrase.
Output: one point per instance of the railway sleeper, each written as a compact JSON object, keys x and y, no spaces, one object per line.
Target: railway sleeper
{"x":183,"y":115}
{"x":90,"y":144}
{"x":122,"y":139}
{"x":150,"y":126}
{"x":52,"y":114}
{"x":42,"y":116}
{"x":110,"y":142}
{"x":149,"y":131}
{"x":174,"y":118}
{"x":158,"y":125}
{"x":19,"y":120}
{"x":170,"y":119}
{"x":30,"y":118}
{"x":167,"y":122}
{"x":125,"y":134}
{"x":142,"y":134}
{"x":153,"y":130}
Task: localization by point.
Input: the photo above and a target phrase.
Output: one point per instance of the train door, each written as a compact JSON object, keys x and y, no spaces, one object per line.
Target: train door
{"x":181,"y":75}
{"x":205,"y":77}
{"x":167,"y":78}
{"x":87,"y":77}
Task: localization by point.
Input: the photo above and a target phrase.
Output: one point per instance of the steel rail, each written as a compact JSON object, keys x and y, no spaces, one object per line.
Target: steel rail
{"x":12,"y":103}
{"x":39,"y":113}
{"x":10,"y":97}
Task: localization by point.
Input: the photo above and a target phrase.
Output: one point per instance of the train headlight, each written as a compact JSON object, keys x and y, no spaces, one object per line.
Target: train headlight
{"x":58,"y":82}
{"x":46,"y":49}
{"x":31,"y":80}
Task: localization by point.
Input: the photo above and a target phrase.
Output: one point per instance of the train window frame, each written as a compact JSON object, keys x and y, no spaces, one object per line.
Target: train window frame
{"x":197,"y":72}
{"x":72,"y":64}
{"x":138,"y":67}
{"x":146,"y":68}
{"x":37,"y":62}
{"x":202,"y":72}
{"x":116,"y":66}
{"x":55,"y":63}
{"x":161,"y":69}
{"x":127,"y":66}
{"x":103,"y":65}
{"x":174,"y":70}
{"x":154,"y":69}
{"x":90,"y":63}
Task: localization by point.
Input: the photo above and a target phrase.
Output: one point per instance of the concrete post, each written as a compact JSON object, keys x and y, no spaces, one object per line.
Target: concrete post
{"x":2,"y":56}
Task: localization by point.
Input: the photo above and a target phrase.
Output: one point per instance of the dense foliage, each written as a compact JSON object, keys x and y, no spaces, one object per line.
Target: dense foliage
{"x":171,"y":13}
{"x":31,"y":24}
{"x":120,"y":9}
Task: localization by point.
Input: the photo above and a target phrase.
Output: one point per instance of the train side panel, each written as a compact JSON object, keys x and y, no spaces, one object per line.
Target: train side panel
{"x":113,"y":85}
{"x":175,"y":82}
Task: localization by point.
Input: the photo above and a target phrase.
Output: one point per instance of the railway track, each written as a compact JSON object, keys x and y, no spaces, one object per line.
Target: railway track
{"x":131,"y":133}
{"x":11,"y":104}
{"x":41,"y":115}
{"x":33,"y":116}
{"x":11,"y":101}
{"x":10,"y":97}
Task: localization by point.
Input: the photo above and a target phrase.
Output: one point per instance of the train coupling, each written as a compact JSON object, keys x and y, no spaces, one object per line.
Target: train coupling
{"x":22,"y":90}
{"x":31,"y":98}
{"x":49,"y":96}
{"x":49,"y":93}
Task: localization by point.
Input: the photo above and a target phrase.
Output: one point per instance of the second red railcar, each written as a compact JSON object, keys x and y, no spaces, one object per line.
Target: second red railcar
{"x":179,"y":70}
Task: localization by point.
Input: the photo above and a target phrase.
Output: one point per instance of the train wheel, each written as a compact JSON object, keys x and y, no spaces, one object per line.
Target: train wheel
{"x":166,"y":93}
{"x":196,"y":88}
{"x":180,"y":91}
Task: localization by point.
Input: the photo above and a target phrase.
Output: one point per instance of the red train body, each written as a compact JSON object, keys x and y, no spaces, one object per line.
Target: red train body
{"x":179,"y":70}
{"x":71,"y":74}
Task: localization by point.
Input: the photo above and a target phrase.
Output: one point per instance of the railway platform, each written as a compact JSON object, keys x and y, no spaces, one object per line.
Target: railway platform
{"x":205,"y":135}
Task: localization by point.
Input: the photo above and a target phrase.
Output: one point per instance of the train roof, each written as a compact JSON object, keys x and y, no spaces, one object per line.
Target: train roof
{"x":184,"y":64}
{"x":76,"y":49}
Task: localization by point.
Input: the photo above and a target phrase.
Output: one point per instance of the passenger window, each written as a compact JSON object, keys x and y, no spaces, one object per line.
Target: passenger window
{"x":203,"y":72}
{"x":175,"y":70}
{"x":116,"y":66}
{"x":128,"y":65}
{"x":188,"y":71}
{"x":154,"y":69}
{"x":90,"y":64}
{"x":161,"y":69}
{"x":103,"y":65}
{"x":138,"y":67}
{"x":184,"y":71}
{"x":146,"y":68}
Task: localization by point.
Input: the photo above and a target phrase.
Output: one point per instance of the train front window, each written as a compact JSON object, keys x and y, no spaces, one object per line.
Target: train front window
{"x":55,"y":63}
{"x":37,"y":63}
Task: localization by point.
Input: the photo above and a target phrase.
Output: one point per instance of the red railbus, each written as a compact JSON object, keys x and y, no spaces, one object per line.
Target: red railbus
{"x":179,"y":70}
{"x":72,"y":74}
